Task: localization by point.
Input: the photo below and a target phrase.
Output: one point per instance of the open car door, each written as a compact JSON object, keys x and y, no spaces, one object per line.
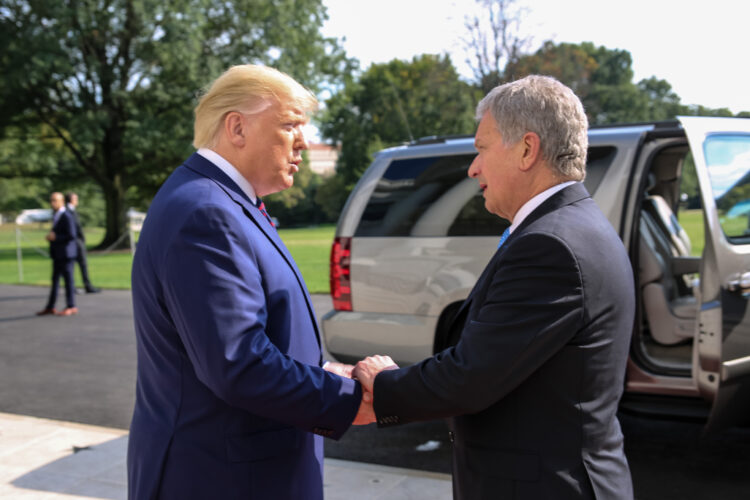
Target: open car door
{"x":721,"y":357}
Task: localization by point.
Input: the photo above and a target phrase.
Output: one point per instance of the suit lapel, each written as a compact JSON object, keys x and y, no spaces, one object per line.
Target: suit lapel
{"x":204,"y":167}
{"x":477,"y":286}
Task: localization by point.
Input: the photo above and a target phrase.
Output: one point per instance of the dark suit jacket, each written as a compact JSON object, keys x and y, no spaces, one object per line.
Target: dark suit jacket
{"x":64,"y":244}
{"x":535,"y":379}
{"x":230,"y":399}
{"x":79,"y":230}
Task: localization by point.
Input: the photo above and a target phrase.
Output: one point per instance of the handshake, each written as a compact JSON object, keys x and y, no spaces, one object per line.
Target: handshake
{"x":365,"y":372}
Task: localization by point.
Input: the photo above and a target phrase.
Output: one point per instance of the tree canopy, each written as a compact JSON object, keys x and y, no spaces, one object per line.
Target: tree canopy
{"x":603,"y":79}
{"x":103,"y":90}
{"x":390,"y":104}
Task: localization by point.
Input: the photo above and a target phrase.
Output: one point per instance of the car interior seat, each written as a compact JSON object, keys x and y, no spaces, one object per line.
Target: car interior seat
{"x":670,"y":315}
{"x":666,"y":268}
{"x":664,"y":216}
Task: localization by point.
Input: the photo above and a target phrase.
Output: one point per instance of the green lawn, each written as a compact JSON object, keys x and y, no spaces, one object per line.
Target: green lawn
{"x":692,"y":222}
{"x":310,"y":248}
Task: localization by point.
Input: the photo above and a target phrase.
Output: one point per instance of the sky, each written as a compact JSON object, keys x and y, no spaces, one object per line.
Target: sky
{"x":701,"y":48}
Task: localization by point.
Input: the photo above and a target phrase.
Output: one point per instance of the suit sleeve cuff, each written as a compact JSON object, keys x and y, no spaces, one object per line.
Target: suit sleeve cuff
{"x":344,"y":409}
{"x":384,"y":404}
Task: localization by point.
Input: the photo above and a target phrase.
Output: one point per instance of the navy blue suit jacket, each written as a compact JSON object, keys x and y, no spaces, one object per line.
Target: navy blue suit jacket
{"x":535,"y":378}
{"x":64,"y":244}
{"x":231,"y":401}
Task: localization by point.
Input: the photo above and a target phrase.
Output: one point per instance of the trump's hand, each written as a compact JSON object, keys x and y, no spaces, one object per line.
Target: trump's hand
{"x":366,"y":413}
{"x":366,"y":370}
{"x":339,"y":368}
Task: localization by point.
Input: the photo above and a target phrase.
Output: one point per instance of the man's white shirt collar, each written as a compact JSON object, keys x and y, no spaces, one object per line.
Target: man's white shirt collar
{"x":230,"y":170}
{"x":534,"y":203}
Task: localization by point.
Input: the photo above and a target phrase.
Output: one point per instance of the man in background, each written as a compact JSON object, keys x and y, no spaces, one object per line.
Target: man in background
{"x":71,"y":203}
{"x":62,"y":250}
{"x":231,"y":398}
{"x":534,"y":380}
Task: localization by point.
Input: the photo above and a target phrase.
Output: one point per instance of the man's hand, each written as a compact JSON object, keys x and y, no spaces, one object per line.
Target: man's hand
{"x":366,"y":370}
{"x":366,"y":413}
{"x":50,"y":236}
{"x":341,"y":369}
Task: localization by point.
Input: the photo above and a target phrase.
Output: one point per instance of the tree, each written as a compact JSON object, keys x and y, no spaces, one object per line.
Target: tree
{"x":104,"y":89}
{"x":296,"y":205}
{"x":493,"y":42}
{"x":331,"y":195}
{"x":603,"y":79}
{"x":662,"y":103}
{"x":570,"y":63}
{"x":600,"y":77}
{"x":391,"y":104}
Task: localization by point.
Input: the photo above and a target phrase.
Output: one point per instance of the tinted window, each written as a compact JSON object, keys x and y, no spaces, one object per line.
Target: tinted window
{"x":728,"y":162}
{"x":430,"y":196}
{"x":433,"y":196}
{"x":598,"y":161}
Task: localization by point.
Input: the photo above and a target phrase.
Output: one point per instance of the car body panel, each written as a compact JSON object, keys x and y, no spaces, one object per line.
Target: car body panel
{"x":610,"y":195}
{"x":407,"y":338}
{"x":417,"y":276}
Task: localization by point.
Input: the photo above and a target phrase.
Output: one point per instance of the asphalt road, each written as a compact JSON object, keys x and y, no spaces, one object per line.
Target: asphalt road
{"x":82,"y":369}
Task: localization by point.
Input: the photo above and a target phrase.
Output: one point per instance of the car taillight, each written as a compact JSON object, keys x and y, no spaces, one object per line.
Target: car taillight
{"x":341,"y":291}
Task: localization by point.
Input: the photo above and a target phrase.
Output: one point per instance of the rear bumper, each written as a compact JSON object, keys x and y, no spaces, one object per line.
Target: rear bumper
{"x":351,"y":336}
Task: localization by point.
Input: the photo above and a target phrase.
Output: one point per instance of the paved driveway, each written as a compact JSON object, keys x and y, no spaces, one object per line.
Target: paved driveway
{"x":82,"y":369}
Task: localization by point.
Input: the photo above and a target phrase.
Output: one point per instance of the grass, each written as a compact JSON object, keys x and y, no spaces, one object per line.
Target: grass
{"x":310,"y":248}
{"x":692,"y":222}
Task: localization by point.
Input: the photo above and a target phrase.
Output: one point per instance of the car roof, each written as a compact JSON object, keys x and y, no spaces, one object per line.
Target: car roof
{"x":464,"y":144}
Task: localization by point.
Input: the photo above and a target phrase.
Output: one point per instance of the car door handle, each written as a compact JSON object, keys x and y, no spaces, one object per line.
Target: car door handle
{"x":739,"y":283}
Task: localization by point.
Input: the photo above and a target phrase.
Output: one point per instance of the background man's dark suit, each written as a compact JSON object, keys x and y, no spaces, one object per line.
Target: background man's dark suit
{"x":81,"y":246}
{"x":538,"y":370}
{"x":63,"y":251}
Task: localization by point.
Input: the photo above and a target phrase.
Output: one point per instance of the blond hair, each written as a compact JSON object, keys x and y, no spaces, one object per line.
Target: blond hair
{"x":247,"y":89}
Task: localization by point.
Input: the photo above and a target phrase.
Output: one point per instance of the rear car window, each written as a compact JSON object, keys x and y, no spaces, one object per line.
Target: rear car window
{"x":433,"y":196}
{"x":428,"y":196}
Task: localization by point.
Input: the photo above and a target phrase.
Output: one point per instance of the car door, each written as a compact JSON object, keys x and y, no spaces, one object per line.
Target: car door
{"x":721,"y":358}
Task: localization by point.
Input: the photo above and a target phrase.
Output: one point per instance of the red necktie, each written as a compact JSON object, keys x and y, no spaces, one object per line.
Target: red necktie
{"x":262,"y":208}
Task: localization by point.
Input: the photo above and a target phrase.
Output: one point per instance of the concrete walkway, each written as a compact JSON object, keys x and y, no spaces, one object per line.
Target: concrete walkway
{"x":51,"y":459}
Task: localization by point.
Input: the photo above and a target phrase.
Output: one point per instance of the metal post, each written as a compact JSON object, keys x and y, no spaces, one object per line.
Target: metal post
{"x":19,"y":257}
{"x":132,"y":238}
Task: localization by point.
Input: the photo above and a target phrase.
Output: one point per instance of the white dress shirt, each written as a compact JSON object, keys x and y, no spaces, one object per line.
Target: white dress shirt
{"x":231,"y":171}
{"x":533,"y":203}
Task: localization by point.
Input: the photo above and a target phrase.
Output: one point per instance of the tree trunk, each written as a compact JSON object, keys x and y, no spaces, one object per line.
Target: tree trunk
{"x":116,"y":220}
